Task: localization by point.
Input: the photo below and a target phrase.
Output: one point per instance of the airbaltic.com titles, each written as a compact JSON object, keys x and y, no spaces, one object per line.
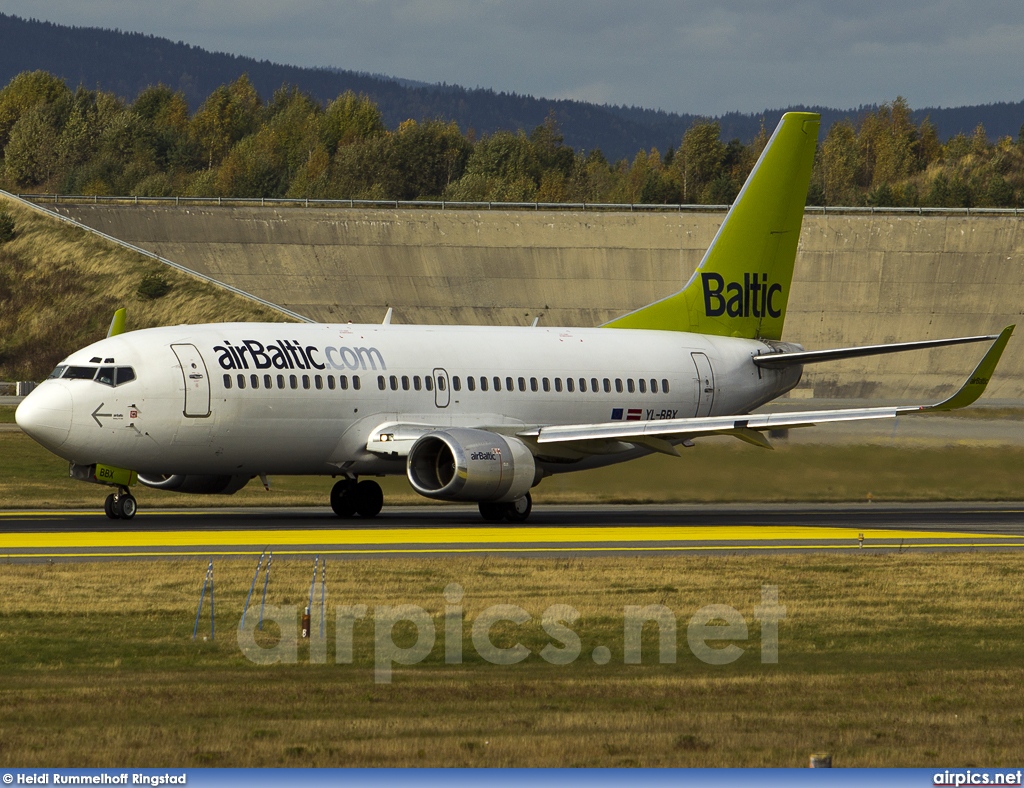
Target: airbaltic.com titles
{"x":120,"y":778}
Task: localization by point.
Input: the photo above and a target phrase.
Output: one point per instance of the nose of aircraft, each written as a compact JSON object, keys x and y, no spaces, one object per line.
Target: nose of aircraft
{"x":45,"y":414}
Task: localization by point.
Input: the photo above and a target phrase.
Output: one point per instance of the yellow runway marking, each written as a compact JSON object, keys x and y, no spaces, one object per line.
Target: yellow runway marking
{"x":427,"y":537}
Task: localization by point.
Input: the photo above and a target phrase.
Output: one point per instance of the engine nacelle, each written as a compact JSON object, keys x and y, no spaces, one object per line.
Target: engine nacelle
{"x":201,"y":484}
{"x":461,"y":464}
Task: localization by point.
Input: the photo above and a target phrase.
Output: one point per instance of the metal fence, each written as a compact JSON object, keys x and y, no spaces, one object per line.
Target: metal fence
{"x":448,"y":205}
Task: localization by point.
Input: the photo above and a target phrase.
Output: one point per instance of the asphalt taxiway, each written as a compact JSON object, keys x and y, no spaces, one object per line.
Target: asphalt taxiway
{"x":552,"y":530}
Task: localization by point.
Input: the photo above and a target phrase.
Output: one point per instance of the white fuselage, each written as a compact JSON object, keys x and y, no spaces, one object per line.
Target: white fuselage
{"x":252,"y":398}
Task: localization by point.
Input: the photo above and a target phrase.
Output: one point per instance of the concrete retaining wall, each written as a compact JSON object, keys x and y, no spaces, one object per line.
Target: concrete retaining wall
{"x":860,"y":279}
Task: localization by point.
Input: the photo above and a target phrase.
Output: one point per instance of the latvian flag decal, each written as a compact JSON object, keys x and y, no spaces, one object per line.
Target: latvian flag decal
{"x":633,"y":414}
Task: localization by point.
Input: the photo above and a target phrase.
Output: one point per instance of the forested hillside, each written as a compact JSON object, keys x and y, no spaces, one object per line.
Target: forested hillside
{"x":126,"y":64}
{"x":236,"y":144}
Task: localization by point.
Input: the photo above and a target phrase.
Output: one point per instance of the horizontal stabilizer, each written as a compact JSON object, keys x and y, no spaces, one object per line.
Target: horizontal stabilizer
{"x":780,"y":360}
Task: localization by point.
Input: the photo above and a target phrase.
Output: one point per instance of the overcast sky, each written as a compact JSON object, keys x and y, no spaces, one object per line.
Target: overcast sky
{"x":692,"y":56}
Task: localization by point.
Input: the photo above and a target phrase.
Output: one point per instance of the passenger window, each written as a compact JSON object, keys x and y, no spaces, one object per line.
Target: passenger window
{"x":654,"y":386}
{"x":522,"y":384}
{"x":664,"y":385}
{"x":643,"y":386}
{"x":440,"y":384}
{"x":355,"y":382}
{"x":428,"y":383}
{"x":268,"y":382}
{"x":456,"y":384}
{"x":558,"y":384}
{"x":630,"y":386}
{"x":593,"y":385}
{"x":607,"y":386}
{"x":330,"y":382}
{"x":305,"y":381}
{"x":417,"y":384}
{"x":293,"y":382}
{"x":254,"y":381}
{"x":318,"y":382}
{"x":125,"y":375}
{"x":509,"y":384}
{"x":583,"y":385}
{"x":227,"y":381}
{"x":618,"y":385}
{"x":343,"y":382}
{"x":546,"y":384}
{"x":497,"y":383}
{"x":471,"y":383}
{"x":280,"y":381}
{"x":241,"y":381}
{"x":394,"y":382}
{"x":105,"y":376}
{"x":569,"y":385}
{"x":405,"y":382}
{"x":380,"y":383}
{"x":533,"y":384}
{"x":483,"y":383}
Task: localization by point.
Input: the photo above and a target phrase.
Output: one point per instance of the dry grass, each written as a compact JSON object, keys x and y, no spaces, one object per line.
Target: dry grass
{"x":885,"y":660}
{"x":712,"y":472}
{"x":59,"y":287}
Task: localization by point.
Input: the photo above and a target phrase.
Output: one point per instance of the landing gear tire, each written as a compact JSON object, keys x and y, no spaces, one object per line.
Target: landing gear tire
{"x":519,"y":511}
{"x":109,"y":507}
{"x":492,"y":512}
{"x":343,"y":498}
{"x":128,"y":506}
{"x":369,"y":499}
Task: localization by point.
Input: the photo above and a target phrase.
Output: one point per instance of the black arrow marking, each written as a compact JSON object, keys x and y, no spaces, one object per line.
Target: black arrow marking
{"x":96,"y":414}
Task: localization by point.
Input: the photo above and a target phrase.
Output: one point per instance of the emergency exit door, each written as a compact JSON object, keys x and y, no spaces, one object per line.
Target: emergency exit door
{"x":705,"y":384}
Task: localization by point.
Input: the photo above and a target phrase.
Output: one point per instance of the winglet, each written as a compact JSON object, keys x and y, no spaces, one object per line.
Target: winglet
{"x":116,"y":323}
{"x":978,"y":381}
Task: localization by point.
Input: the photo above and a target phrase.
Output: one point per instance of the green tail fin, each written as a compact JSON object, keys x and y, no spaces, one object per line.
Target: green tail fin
{"x":741,"y":287}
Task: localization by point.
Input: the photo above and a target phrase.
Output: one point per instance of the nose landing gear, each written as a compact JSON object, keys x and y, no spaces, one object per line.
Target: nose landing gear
{"x":120,"y":505}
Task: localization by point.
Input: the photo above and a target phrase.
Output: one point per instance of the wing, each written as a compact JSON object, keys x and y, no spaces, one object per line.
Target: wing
{"x":660,"y":435}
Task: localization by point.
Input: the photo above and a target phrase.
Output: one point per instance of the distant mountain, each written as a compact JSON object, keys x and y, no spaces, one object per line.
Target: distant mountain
{"x":126,"y":63}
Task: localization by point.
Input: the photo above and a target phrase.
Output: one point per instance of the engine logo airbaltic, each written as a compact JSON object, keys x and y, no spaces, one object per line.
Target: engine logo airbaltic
{"x":752,"y":297}
{"x":285,"y":354}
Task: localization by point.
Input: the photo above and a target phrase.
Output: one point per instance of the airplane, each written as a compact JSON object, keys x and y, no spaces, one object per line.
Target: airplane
{"x":478,"y":414}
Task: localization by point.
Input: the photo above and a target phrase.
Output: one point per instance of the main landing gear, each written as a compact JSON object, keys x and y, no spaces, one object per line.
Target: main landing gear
{"x":350,"y":497}
{"x":515,"y":512}
{"x":120,"y":505}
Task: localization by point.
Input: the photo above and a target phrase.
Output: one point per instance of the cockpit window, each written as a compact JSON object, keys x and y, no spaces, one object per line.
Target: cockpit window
{"x":108,"y":376}
{"x":79,"y":373}
{"x":124,"y":375}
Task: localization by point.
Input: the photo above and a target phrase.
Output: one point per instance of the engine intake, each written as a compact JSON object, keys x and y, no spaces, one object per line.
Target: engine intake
{"x":196,"y":484}
{"x":463,"y":464}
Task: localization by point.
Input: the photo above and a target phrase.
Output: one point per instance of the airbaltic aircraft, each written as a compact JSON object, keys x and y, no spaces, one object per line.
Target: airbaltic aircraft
{"x":467,"y":413}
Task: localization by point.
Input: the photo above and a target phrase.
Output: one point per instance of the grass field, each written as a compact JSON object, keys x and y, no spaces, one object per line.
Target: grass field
{"x":884,"y":660}
{"x":717,"y":470}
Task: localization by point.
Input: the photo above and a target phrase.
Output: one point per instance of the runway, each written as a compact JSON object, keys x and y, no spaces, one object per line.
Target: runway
{"x":552,"y":530}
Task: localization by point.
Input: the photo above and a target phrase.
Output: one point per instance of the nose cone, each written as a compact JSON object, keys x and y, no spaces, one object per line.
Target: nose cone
{"x":45,"y":414}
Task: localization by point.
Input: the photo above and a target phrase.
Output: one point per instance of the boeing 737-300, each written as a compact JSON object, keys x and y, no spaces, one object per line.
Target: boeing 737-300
{"x":468,"y":413}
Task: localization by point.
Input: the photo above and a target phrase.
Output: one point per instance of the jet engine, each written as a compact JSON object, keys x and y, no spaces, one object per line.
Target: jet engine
{"x":202,"y":484}
{"x":461,"y":464}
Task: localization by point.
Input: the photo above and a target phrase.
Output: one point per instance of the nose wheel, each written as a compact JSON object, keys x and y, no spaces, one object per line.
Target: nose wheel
{"x":120,"y":505}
